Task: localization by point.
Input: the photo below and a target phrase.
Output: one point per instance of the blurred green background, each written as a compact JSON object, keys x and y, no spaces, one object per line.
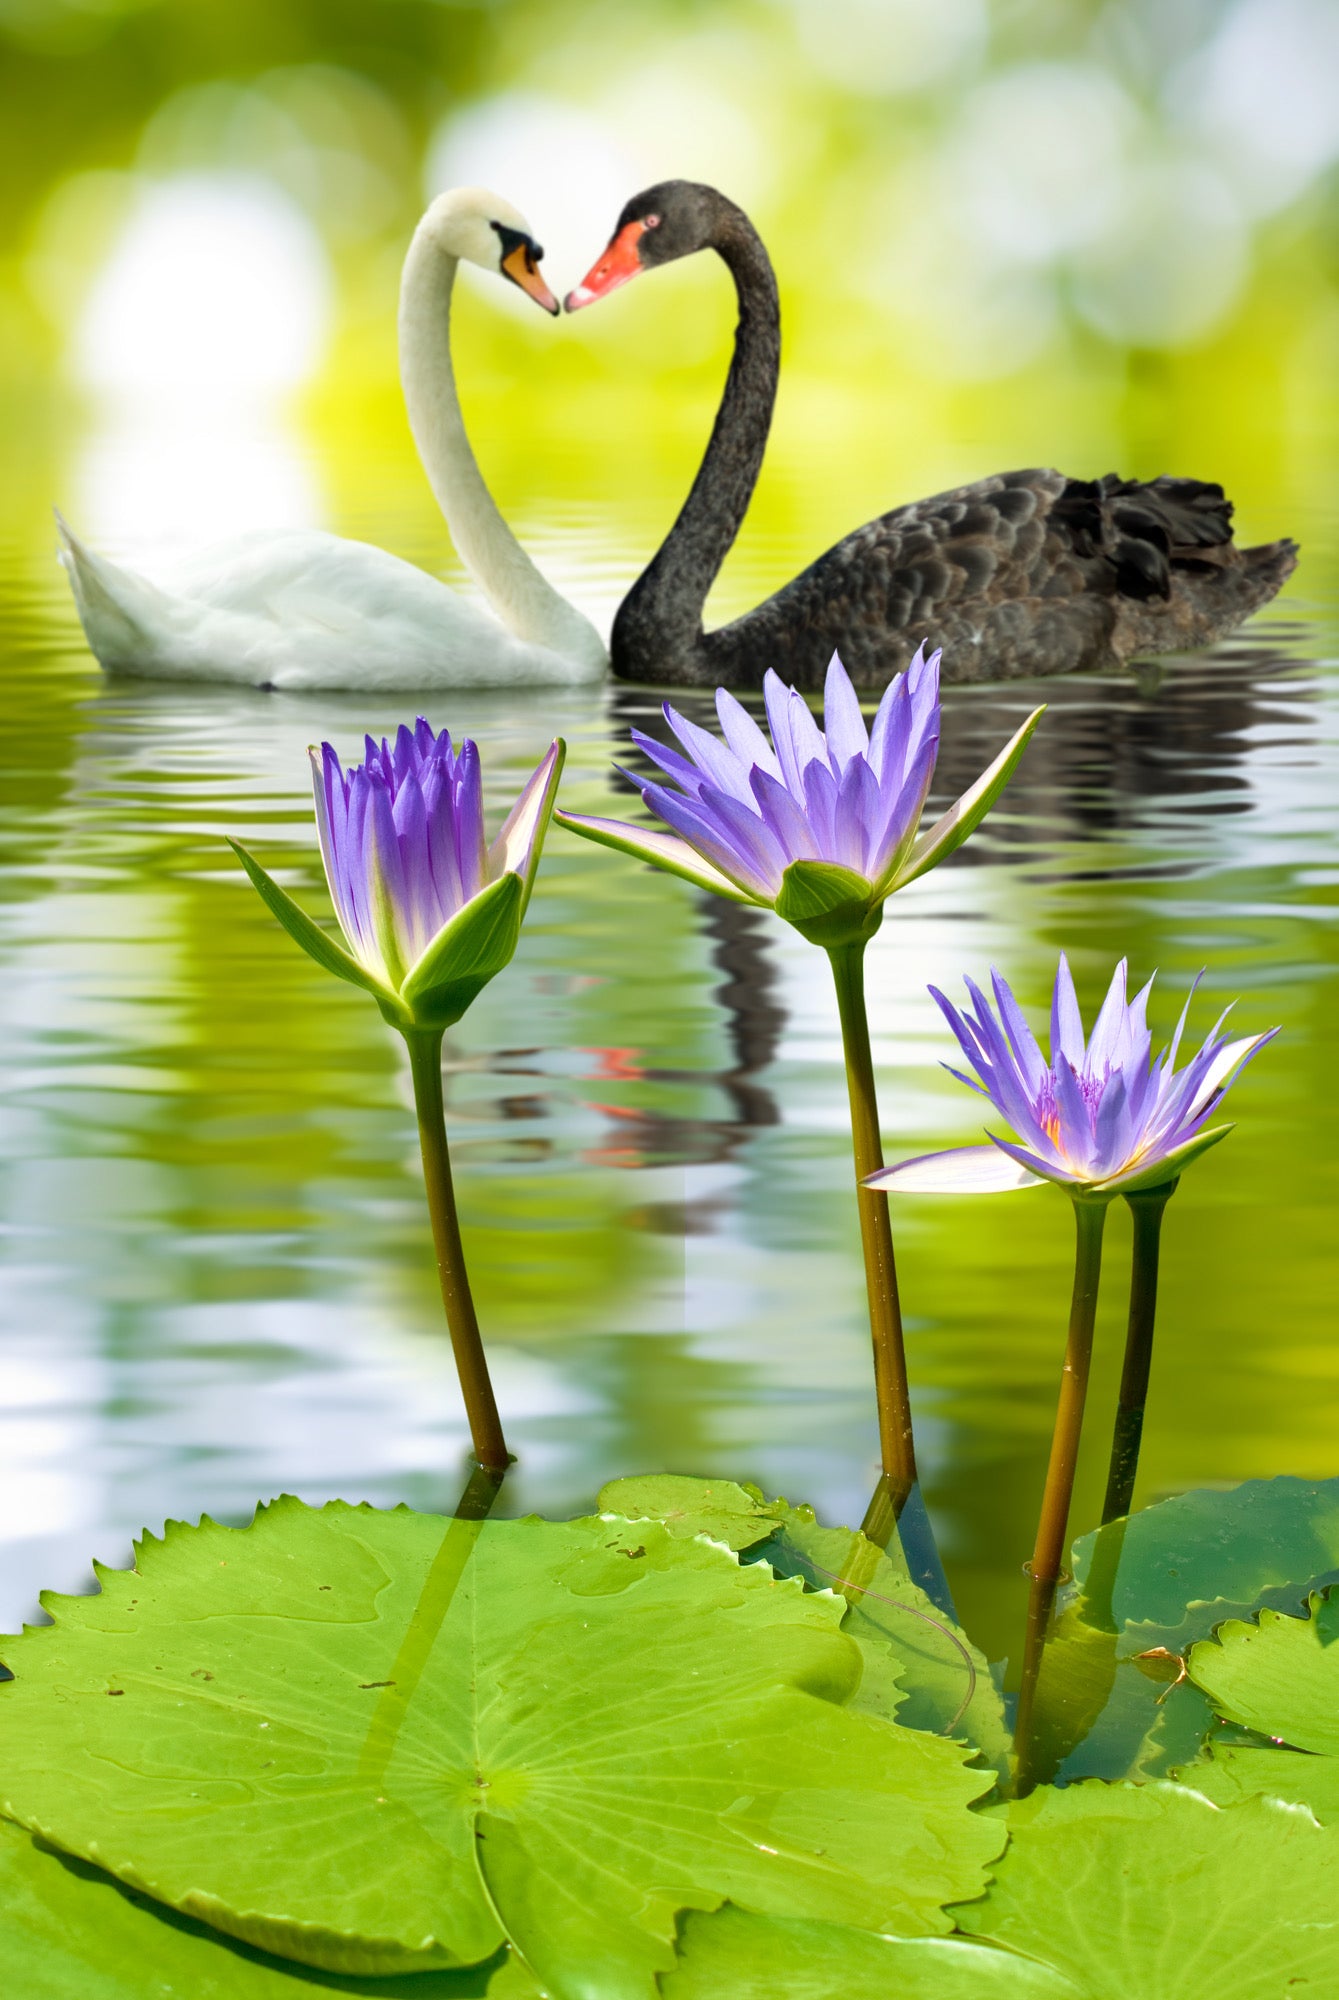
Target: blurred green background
{"x":1102,"y":236}
{"x":1111,"y":229}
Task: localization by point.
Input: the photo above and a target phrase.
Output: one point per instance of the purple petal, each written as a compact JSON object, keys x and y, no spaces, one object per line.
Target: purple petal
{"x":439,"y":812}
{"x":1112,"y":1131}
{"x":744,"y":736}
{"x":1075,"y":1140}
{"x":748,"y":833}
{"x":1023,"y":1043}
{"x":890,"y":730}
{"x":670,"y":762}
{"x":1109,"y":1027}
{"x":857,"y":812}
{"x":819,"y":799}
{"x":421,"y":915}
{"x":901,"y":814}
{"x":705,"y":834}
{"x":1066,"y":1021}
{"x":471,"y":847}
{"x":1050,"y":1170}
{"x":797,"y":736}
{"x":714,"y":759}
{"x":388,"y":892}
{"x":788,"y":824}
{"x":843,"y":724}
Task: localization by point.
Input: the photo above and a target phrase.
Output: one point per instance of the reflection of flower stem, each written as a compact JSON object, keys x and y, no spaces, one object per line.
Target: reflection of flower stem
{"x":425,"y":1061}
{"x":896,"y":1449}
{"x":1047,"y":1566}
{"x":1147,"y":1207}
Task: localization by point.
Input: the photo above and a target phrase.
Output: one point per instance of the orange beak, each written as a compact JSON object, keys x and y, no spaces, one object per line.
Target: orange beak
{"x":520,"y":266}
{"x":618,"y":266}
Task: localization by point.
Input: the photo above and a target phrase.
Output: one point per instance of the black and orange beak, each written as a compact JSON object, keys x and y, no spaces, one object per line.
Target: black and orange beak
{"x":521,"y":265}
{"x":618,"y":266}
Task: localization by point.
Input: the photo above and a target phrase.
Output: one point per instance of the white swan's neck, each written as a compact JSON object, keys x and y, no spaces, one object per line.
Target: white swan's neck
{"x":529,"y":606}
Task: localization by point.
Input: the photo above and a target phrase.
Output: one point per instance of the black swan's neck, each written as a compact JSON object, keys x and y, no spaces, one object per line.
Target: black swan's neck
{"x":657,"y":633}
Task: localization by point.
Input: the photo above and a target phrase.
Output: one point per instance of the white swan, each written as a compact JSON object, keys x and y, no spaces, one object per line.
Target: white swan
{"x":309,"y":610}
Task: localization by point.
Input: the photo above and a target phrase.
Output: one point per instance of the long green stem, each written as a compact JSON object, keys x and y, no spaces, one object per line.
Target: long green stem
{"x":1048,"y":1556}
{"x":425,"y":1061}
{"x":1147,"y":1208}
{"x":897,"y":1451}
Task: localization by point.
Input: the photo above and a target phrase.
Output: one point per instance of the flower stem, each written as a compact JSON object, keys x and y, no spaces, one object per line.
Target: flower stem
{"x":425,"y":1062}
{"x":1147,"y":1208}
{"x":1047,"y":1567}
{"x":897,"y":1451}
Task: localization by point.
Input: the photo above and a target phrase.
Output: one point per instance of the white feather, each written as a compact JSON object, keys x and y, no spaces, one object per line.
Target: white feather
{"x":310,"y":610}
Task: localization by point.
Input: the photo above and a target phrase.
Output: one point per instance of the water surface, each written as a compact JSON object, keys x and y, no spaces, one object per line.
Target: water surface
{"x":217,"y":1282}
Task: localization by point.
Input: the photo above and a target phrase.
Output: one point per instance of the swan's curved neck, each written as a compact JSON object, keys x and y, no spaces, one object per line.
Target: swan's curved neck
{"x":524,"y":601}
{"x":660,"y":620}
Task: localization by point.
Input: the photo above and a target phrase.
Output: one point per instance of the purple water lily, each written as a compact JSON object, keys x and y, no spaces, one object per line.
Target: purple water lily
{"x":432,"y":911}
{"x":1100,"y":1116}
{"x":816,"y":820}
{"x":403,"y":841}
{"x":822,"y":825}
{"x":430,"y":908}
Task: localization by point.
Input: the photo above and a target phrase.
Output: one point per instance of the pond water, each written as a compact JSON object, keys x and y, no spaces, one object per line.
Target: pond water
{"x":216,"y":1273}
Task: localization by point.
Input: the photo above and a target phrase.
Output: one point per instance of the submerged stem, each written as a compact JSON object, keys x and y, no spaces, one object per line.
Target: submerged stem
{"x":1147,"y":1208}
{"x":1047,"y":1566}
{"x":897,"y":1450}
{"x":425,"y":1062}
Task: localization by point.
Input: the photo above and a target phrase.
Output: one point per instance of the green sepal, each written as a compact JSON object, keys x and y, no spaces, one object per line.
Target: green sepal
{"x":966,"y":814}
{"x":659,"y":849}
{"x":829,"y":905}
{"x":317,"y":944}
{"x":1171,"y":1166}
{"x":472,"y":949}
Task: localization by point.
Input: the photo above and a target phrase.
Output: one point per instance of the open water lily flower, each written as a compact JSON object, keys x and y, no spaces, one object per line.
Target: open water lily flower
{"x":821,"y":825}
{"x":431,"y":909}
{"x":1101,"y":1117}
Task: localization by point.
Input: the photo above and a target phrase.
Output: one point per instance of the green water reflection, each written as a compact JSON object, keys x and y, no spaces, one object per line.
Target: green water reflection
{"x":217,"y":1281}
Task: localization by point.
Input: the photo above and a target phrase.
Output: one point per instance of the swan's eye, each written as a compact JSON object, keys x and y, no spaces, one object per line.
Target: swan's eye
{"x":651,"y":222}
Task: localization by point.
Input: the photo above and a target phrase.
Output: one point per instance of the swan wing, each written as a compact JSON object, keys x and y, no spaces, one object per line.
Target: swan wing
{"x":300,"y":610}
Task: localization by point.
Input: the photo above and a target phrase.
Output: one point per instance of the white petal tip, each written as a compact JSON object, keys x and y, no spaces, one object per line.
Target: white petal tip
{"x":963,"y":1170}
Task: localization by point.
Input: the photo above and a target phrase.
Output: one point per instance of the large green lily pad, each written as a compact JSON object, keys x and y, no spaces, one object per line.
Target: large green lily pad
{"x":944,"y":1683}
{"x":1230,"y":1772}
{"x":919,"y":1665}
{"x":1277,"y":1675}
{"x":735,"y":1956}
{"x":737,"y":1515}
{"x":69,"y":1932}
{"x":1136,"y":1891}
{"x":383,"y":1741}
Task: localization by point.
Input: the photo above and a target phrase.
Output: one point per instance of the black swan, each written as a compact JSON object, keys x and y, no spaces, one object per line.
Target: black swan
{"x":1023,"y":573}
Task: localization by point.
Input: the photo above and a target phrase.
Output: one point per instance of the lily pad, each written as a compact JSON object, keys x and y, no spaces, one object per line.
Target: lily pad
{"x":736,"y":1515}
{"x":1230,"y":1772}
{"x":69,"y":1932}
{"x":736,"y":1956}
{"x":1133,"y":1891}
{"x":1183,"y":1566}
{"x":919,"y":1665}
{"x":1148,"y":1588}
{"x":383,"y":1741}
{"x":1278,"y":1675}
{"x":942,"y":1682}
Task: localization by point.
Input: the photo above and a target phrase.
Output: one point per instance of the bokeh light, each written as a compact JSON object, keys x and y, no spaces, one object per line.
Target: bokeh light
{"x":217,"y":289}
